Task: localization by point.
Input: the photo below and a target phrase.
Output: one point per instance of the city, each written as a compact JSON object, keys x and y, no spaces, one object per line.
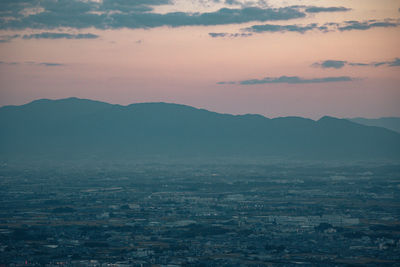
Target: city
{"x":200,"y":215}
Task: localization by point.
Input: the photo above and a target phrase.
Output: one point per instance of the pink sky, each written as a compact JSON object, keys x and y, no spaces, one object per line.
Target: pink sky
{"x":184,"y":64}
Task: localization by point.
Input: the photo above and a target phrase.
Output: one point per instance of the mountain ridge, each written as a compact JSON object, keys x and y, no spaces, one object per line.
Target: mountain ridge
{"x":391,"y":123}
{"x":81,"y":128}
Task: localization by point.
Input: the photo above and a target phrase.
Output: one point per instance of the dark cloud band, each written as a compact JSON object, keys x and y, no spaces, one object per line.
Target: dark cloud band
{"x":338,"y":64}
{"x":315,"y":9}
{"x":8,"y":38}
{"x":285,"y":28}
{"x":291,"y":80}
{"x":33,"y":63}
{"x":230,"y":35}
{"x":48,"y":35}
{"x":327,"y":27}
{"x":112,"y":14}
{"x":55,"y":35}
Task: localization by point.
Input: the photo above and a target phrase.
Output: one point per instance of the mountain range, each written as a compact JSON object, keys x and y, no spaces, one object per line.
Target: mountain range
{"x":391,"y":123}
{"x":75,"y":128}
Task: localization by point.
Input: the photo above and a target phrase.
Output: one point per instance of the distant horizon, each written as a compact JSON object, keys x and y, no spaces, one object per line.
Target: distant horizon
{"x":198,"y":107}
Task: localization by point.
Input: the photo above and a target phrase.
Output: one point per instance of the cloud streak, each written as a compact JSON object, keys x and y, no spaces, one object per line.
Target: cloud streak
{"x":315,"y":9}
{"x":33,"y":63}
{"x":230,"y":35}
{"x":334,"y":64}
{"x":48,"y":35}
{"x":9,"y":63}
{"x":50,"y":64}
{"x":338,"y":64}
{"x":291,"y":80}
{"x":8,"y":38}
{"x":56,"y":35}
{"x":366,"y":25}
{"x":327,"y":27}
{"x":285,"y":28}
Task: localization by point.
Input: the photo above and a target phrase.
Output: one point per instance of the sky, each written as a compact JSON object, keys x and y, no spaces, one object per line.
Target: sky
{"x":306,"y":58}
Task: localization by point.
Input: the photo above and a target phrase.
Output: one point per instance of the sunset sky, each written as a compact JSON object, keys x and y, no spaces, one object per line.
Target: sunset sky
{"x":305,"y":58}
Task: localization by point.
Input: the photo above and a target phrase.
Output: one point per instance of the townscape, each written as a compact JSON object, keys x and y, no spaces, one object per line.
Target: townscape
{"x":200,"y":215}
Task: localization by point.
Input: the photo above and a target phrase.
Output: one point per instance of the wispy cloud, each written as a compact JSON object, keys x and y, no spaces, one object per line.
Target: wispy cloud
{"x":327,"y":27}
{"x":230,"y":35}
{"x":57,"y":35}
{"x":285,"y":28}
{"x":366,"y":25}
{"x":394,"y":63}
{"x":291,"y":80}
{"x":259,"y":3}
{"x":334,"y":64}
{"x":391,"y":63}
{"x":50,"y":64}
{"x":232,"y":2}
{"x":48,"y":35}
{"x":338,"y":64}
{"x":231,"y":82}
{"x":8,"y":38}
{"x":9,"y":63}
{"x":315,"y":9}
{"x":33,"y":63}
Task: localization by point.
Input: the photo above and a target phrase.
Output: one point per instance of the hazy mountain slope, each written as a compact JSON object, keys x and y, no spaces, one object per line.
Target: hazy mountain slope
{"x":75,"y":128}
{"x":391,"y":123}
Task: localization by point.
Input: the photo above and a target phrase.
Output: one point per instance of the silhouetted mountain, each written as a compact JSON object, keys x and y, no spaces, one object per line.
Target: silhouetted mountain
{"x":391,"y":123}
{"x":75,"y":129}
